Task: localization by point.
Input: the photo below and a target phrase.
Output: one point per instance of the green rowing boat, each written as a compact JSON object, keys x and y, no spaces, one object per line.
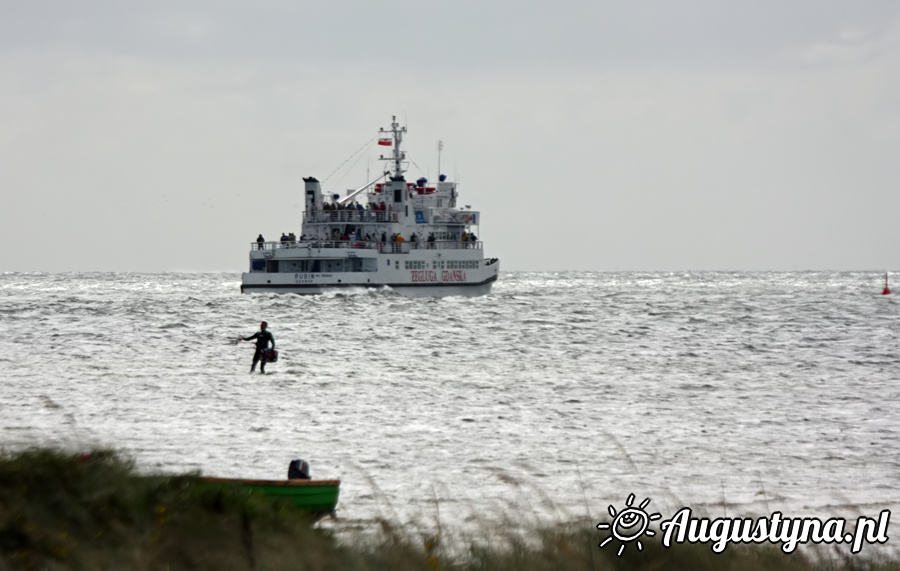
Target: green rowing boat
{"x":319,"y":496}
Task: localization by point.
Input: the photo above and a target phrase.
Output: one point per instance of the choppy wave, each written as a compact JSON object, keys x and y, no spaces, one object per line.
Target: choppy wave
{"x":557,"y":394}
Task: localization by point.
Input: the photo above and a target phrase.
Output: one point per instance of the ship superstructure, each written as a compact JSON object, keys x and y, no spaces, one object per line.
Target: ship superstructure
{"x":409,"y":236}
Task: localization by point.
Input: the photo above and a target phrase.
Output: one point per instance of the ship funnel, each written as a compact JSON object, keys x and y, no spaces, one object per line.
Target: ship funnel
{"x":313,"y":193}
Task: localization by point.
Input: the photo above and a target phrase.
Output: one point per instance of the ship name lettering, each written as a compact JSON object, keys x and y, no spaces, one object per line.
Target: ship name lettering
{"x":423,"y":276}
{"x":453,"y":276}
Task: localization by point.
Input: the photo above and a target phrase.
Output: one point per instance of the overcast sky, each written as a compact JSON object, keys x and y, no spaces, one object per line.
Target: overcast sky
{"x":652,"y":135}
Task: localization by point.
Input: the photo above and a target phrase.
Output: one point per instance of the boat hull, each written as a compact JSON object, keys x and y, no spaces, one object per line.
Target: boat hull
{"x":318,"y":496}
{"x":407,"y":282}
{"x":473,"y":289}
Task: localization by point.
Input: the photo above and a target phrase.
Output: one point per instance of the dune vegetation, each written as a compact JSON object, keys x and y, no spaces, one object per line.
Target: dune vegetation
{"x":60,"y":510}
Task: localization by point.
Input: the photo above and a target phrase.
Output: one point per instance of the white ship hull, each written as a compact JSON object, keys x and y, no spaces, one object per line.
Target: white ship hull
{"x":283,"y":285}
{"x":410,"y":271}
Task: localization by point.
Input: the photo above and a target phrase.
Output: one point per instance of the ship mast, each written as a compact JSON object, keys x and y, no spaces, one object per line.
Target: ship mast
{"x":397,"y":133}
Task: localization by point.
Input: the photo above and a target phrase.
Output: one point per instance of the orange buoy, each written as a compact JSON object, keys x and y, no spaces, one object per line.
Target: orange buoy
{"x":887,"y":290}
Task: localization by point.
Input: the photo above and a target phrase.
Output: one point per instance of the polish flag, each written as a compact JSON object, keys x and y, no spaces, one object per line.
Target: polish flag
{"x":385,"y":142}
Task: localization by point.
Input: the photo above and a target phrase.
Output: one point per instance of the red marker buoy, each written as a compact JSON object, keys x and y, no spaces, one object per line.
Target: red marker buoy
{"x":887,"y":290}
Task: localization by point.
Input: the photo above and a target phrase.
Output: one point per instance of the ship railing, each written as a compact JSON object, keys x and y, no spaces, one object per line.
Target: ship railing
{"x":306,"y":244}
{"x":434,"y":215}
{"x":351,"y":216}
{"x":448,"y":245}
{"x":404,"y":247}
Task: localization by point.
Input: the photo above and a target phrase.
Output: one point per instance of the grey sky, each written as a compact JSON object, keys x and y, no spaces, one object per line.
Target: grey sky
{"x":592,"y":136}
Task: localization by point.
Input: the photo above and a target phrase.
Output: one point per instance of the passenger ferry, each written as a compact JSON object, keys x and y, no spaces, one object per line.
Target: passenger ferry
{"x":409,"y":236}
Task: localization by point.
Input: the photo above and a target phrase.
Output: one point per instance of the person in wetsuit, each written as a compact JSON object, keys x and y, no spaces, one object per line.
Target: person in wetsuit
{"x":263,"y":338}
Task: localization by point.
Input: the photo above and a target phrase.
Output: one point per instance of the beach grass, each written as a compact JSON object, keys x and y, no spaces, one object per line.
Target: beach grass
{"x":60,"y":510}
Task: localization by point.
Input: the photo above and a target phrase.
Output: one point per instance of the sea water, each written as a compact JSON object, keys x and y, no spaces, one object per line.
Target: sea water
{"x":551,"y":399}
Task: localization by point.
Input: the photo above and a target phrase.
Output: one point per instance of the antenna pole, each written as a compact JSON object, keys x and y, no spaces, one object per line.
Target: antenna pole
{"x":397,"y":135}
{"x":440,"y":148}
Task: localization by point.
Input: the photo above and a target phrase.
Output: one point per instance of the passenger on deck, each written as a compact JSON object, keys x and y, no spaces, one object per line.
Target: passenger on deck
{"x":260,"y":242}
{"x":284,"y":239}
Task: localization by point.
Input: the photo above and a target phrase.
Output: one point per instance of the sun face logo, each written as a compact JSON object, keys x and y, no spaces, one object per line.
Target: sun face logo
{"x":629,"y":524}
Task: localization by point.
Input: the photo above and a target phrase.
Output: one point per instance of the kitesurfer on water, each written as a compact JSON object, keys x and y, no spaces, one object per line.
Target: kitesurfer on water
{"x":263,"y":337}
